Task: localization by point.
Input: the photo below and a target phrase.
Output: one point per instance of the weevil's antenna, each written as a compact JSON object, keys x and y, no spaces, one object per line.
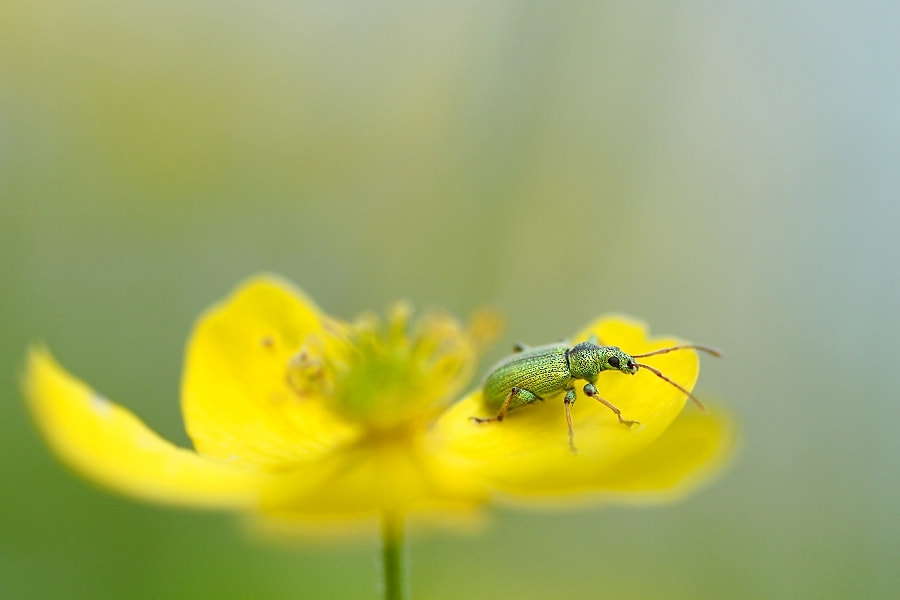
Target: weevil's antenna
{"x":708,"y":349}
{"x":659,"y":374}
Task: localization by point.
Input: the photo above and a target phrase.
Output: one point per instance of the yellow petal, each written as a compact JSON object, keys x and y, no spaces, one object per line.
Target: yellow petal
{"x":378,"y":476}
{"x":236,"y":397}
{"x":691,"y":451}
{"x":110,"y":445}
{"x":528,"y":453}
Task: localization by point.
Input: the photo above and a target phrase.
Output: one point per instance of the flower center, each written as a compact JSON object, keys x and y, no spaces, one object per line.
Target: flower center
{"x":394,"y":372}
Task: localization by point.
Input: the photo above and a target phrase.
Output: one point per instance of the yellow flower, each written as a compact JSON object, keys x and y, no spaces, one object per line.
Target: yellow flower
{"x":296,"y":416}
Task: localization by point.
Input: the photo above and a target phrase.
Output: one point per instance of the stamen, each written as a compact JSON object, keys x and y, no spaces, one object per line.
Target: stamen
{"x":398,"y":322}
{"x":484,"y":327}
{"x":388,"y":372}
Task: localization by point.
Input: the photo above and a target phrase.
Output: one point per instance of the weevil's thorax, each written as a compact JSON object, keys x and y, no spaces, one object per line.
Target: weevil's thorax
{"x":585,"y":361}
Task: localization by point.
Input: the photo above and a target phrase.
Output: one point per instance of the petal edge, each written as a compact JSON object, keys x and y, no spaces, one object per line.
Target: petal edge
{"x":111,"y":446}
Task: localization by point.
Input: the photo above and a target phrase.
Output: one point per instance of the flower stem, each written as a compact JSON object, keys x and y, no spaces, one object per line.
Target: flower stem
{"x":393,"y":558}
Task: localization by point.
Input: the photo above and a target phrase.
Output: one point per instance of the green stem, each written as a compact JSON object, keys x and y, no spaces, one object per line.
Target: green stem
{"x":393,"y":558}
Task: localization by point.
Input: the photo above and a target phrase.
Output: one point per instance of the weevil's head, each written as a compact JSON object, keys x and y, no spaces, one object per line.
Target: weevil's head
{"x":587,"y":360}
{"x":612,"y":358}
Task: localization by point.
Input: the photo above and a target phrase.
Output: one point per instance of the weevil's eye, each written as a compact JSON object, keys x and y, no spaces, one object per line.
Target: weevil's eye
{"x":613,"y":362}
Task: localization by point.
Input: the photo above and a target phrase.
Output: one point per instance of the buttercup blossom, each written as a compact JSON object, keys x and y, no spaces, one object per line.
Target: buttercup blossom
{"x":299,"y":417}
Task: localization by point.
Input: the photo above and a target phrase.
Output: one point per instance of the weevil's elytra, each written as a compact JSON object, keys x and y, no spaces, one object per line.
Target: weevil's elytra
{"x":531,"y":374}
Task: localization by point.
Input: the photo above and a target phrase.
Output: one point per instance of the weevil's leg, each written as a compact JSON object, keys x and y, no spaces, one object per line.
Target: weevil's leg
{"x":518,"y":395}
{"x":520,"y":347}
{"x":596,"y":340}
{"x":591,"y":391}
{"x":568,"y":401}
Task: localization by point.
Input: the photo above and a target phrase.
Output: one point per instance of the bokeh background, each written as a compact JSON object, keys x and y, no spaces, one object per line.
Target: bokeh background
{"x":728,"y":171}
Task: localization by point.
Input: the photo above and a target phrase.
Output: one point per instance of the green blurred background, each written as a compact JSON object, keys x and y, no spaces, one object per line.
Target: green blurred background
{"x":729,"y":172}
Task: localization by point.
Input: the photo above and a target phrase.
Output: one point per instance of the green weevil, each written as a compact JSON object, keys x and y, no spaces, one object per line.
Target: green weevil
{"x":531,"y":374}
